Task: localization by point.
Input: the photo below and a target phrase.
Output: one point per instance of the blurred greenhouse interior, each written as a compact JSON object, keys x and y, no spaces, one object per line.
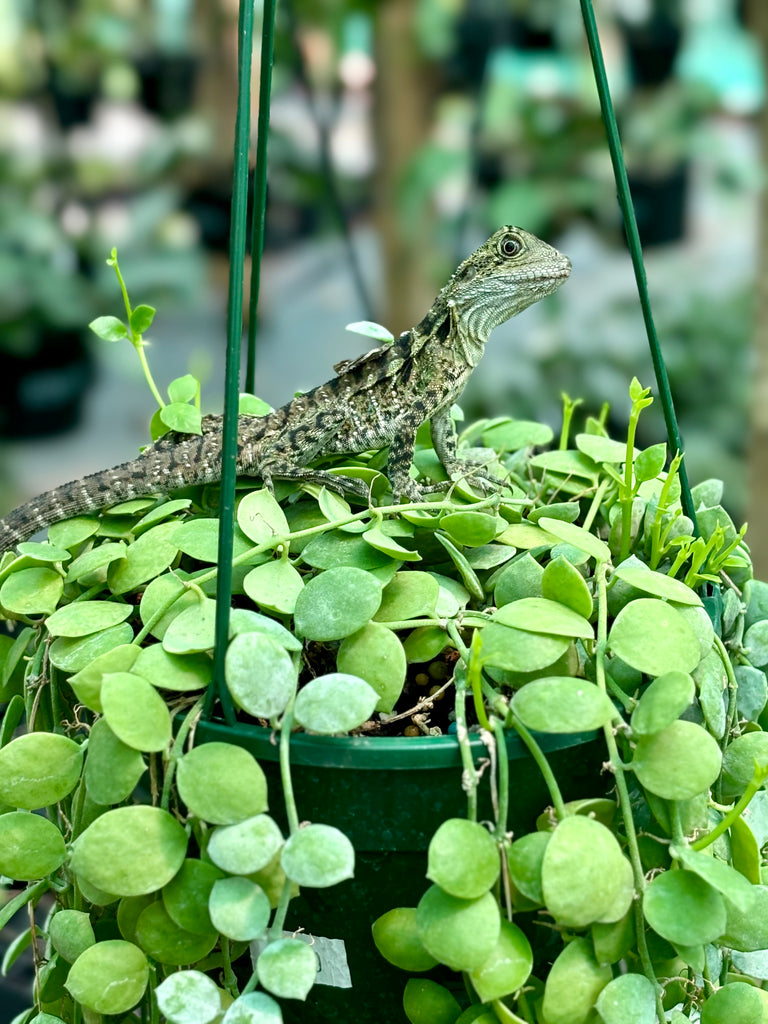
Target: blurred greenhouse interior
{"x":403,"y":132}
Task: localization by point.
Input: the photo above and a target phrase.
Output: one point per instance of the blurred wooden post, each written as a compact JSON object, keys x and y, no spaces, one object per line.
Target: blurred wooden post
{"x":404,"y":100}
{"x":757,"y":507}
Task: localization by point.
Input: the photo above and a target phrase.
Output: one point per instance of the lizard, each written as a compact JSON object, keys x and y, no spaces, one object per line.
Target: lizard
{"x":377,"y":400}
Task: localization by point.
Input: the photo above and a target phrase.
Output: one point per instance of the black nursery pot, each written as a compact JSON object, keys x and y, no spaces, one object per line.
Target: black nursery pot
{"x":389,"y":796}
{"x":660,"y":201}
{"x":45,"y":383}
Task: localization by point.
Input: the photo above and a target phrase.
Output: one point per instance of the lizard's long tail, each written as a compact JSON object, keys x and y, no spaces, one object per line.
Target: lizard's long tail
{"x":160,"y":469}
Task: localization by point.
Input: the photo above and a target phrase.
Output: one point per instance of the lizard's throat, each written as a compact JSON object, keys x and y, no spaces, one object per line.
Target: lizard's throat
{"x":470,"y":331}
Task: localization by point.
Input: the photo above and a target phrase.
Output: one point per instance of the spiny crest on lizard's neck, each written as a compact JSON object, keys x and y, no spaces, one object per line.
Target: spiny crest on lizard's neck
{"x":512,"y":270}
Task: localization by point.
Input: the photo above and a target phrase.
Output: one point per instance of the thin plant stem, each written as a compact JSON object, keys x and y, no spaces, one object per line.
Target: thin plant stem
{"x":469,"y":780}
{"x":544,"y":767}
{"x":285,"y":768}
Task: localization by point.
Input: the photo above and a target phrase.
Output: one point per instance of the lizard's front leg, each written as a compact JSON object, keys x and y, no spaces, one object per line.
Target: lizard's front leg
{"x":444,"y":439}
{"x":399,"y":465}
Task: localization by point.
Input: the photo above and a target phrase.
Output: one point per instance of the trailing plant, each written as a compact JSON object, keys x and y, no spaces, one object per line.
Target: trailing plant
{"x":576,"y":599}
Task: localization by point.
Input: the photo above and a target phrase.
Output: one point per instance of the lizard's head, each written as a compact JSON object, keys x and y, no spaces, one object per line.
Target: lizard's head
{"x":509,"y":272}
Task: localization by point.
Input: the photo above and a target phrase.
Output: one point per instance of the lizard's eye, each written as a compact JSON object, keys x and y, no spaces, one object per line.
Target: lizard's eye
{"x":510,"y":246}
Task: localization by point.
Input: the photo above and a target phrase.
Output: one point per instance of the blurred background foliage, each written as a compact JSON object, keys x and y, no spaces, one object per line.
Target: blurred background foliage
{"x":402,"y":133}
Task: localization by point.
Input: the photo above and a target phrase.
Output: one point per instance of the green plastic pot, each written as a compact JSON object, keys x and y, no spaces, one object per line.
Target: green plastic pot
{"x":389,"y":795}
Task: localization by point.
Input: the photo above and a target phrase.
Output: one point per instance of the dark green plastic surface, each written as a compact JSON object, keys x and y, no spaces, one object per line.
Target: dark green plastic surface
{"x":389,"y":795}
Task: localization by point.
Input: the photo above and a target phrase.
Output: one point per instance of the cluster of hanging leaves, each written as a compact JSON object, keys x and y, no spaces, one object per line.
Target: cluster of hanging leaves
{"x":343,"y":615}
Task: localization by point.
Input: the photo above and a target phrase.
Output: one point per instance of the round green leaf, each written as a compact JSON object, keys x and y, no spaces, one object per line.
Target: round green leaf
{"x":584,"y":873}
{"x":180,"y":673}
{"x":428,"y":1002}
{"x":239,"y":909}
{"x":408,"y":595}
{"x":188,"y":997}
{"x":162,"y":939}
{"x":507,"y":968}
{"x":72,"y":654}
{"x":562,"y":582}
{"x":627,"y":999}
{"x":334,"y":703}
{"x":396,"y":936}
{"x":657,"y":583}
{"x":192,"y":630}
{"x":336,"y":603}
{"x":129,"y":851}
{"x":423,"y":644}
{"x":747,"y":930}
{"x":260,"y":674}
{"x":463,"y":858}
{"x":376,"y":655}
{"x":245,"y":620}
{"x":30,"y":846}
{"x":721,"y":876}
{"x":510,"y":435}
{"x":246,"y":847}
{"x":145,"y":559}
{"x":43,"y":551}
{"x":384,"y":542}
{"x":38,"y":769}
{"x":87,"y":682}
{"x":33,"y":591}
{"x":287,"y":968}
{"x":93,"y":560}
{"x":574,"y":983}
{"x":318,"y":856}
{"x":650,"y":462}
{"x":525,"y":857}
{"x":109,"y":977}
{"x":601,"y":449}
{"x":163,"y":599}
{"x":736,"y":1001}
{"x":742,"y":755}
{"x":662,"y":702}
{"x":653,"y":637}
{"x":160,"y":512}
{"x":221,"y":783}
{"x":186,"y":419}
{"x":253,"y":1008}
{"x":677,"y":763}
{"x":260,"y":517}
{"x":186,"y":896}
{"x":518,"y":650}
{"x":83,"y":617}
{"x":578,"y":537}
{"x":112,"y":768}
{"x":684,"y":909}
{"x":71,"y":933}
{"x":274,"y":585}
{"x":521,"y":578}
{"x":69,"y":533}
{"x":135,"y":712}
{"x":471,"y":529}
{"x":540,"y":615}
{"x":562,"y":704}
{"x":337,"y":548}
{"x":459,"y":933}
{"x":199,"y":538}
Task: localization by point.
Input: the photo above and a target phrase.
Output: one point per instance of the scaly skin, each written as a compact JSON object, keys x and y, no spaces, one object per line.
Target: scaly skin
{"x":378,"y":400}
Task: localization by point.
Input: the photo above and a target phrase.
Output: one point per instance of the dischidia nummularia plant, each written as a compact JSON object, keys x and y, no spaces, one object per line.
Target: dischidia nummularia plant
{"x":575,"y":600}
